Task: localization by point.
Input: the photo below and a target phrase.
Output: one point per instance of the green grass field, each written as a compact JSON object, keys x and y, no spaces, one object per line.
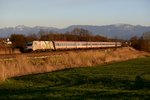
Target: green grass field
{"x":121,"y":80}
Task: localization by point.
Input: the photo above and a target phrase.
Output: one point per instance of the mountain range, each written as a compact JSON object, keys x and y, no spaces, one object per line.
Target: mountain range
{"x":120,"y":31}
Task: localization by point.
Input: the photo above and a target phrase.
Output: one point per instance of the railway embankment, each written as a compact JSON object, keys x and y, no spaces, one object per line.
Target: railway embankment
{"x":23,"y":65}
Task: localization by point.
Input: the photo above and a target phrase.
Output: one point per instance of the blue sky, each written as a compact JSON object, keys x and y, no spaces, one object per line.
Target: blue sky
{"x":62,"y":13}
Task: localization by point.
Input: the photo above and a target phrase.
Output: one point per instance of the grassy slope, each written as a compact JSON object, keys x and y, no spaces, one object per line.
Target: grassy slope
{"x":123,"y":80}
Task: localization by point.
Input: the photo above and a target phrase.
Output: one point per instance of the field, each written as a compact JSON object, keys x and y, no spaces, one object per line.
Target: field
{"x":122,"y":80}
{"x":23,"y":65}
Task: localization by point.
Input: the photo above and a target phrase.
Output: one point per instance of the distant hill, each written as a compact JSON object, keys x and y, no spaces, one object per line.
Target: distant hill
{"x":121,"y":31}
{"x":21,"y":29}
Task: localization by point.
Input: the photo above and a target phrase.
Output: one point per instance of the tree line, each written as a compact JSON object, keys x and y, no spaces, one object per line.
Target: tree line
{"x":19,"y":40}
{"x":78,"y":34}
{"x":141,"y":43}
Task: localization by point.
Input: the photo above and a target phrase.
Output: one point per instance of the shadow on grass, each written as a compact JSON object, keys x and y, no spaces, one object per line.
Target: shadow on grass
{"x":69,"y":93}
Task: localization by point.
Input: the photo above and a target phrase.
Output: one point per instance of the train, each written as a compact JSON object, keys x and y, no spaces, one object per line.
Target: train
{"x":66,"y":45}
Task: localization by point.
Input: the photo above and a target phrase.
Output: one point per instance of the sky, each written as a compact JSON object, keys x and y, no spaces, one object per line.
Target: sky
{"x":63,"y":13}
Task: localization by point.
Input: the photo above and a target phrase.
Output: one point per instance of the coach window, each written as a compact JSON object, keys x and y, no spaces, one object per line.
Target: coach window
{"x":30,"y":44}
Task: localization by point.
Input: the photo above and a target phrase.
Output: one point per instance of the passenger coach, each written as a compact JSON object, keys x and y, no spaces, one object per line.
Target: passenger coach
{"x":59,"y":45}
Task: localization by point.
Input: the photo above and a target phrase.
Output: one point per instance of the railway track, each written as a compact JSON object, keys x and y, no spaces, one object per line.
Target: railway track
{"x":39,"y":55}
{"x":31,"y":55}
{"x":36,"y":55}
